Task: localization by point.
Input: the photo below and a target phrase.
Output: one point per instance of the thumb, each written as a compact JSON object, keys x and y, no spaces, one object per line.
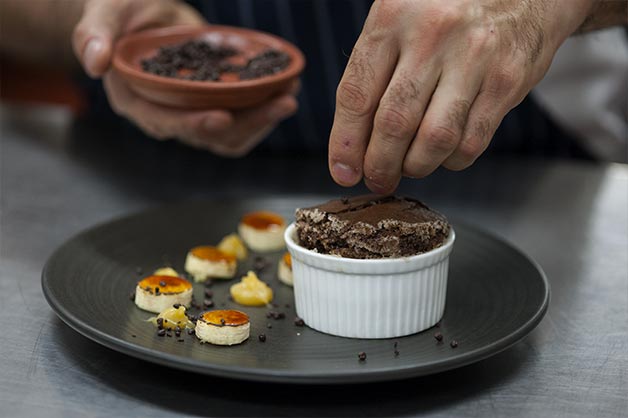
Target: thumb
{"x":95,"y":34}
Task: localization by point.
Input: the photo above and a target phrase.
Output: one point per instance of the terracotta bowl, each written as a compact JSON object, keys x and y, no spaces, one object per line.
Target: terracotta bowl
{"x":223,"y":94}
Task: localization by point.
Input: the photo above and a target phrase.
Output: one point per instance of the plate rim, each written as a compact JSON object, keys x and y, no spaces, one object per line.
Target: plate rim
{"x":287,"y":376}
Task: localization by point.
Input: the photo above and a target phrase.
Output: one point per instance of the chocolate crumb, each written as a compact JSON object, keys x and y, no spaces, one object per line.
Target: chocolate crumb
{"x":438,"y":336}
{"x":195,"y":304}
{"x":262,"y":338}
{"x":162,"y":283}
{"x":176,"y":305}
{"x":161,"y":332}
{"x":288,"y":306}
{"x":453,"y":343}
{"x":259,"y":263}
{"x":208,"y":303}
{"x":396,"y":344}
{"x":269,"y":325}
{"x":437,"y":325}
{"x":133,"y":335}
{"x":190,"y":331}
{"x":396,"y":353}
{"x":344,"y":200}
{"x":180,"y":340}
{"x":132,"y":295}
{"x":222,"y":321}
{"x":275,"y":315}
{"x":160,"y":321}
{"x":362,"y":356}
{"x":156,"y":290}
{"x":299,"y":322}
{"x":209,"y":293}
{"x":209,"y":283}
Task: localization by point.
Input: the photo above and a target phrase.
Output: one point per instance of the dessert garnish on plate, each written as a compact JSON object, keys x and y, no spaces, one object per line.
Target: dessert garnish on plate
{"x":223,"y":327}
{"x":262,"y":231}
{"x":206,"y":261}
{"x":160,"y":291}
{"x":251,"y":291}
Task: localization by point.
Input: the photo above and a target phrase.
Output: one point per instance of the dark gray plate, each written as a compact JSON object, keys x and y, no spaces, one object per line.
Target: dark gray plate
{"x":496,"y":295}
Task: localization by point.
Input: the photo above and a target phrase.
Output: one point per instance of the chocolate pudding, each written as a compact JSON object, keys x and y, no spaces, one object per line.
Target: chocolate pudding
{"x":371,"y":226}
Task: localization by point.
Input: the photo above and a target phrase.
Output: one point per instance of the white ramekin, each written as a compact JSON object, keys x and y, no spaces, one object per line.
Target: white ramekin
{"x":375,"y":298}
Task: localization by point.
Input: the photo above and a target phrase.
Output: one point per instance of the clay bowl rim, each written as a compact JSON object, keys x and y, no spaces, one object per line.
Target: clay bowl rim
{"x":297,"y":62}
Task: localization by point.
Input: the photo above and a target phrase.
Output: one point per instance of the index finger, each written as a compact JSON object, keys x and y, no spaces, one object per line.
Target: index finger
{"x":368,"y":71}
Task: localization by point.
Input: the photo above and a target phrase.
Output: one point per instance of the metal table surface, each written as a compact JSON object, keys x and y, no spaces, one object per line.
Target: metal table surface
{"x":58,"y":177}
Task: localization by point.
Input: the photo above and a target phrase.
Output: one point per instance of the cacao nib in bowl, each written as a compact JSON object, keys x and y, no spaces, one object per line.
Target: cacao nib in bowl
{"x":213,"y":66}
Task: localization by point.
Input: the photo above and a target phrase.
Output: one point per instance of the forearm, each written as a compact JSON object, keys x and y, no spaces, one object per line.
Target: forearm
{"x":40,"y":31}
{"x":604,"y":14}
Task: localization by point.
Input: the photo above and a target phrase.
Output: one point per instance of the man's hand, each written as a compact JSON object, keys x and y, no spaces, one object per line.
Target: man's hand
{"x":220,"y":131}
{"x":429,"y":81}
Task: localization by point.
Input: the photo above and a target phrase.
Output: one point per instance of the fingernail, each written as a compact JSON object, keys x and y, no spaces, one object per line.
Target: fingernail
{"x":345,"y":174}
{"x":92,"y":52}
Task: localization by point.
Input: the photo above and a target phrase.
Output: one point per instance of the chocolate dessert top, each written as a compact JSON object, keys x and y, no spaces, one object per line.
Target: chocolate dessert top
{"x":371,"y":226}
{"x":373,"y":209}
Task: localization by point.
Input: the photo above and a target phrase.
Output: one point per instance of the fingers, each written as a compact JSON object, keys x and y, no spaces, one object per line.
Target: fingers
{"x":364,"y":81}
{"x":480,"y":128}
{"x":397,"y":119}
{"x":230,"y":134}
{"x":442,"y":127}
{"x":500,"y":92}
{"x":163,"y":122}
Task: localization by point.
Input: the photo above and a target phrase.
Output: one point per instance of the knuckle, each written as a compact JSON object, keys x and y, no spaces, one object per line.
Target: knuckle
{"x":412,"y":169}
{"x":117,"y":108}
{"x":481,"y":39}
{"x":154,"y":132}
{"x":354,"y":99}
{"x":79,"y":33}
{"x":441,"y":139}
{"x":394,"y":123}
{"x":447,"y":14}
{"x":384,"y":13}
{"x":502,"y":82}
{"x":378,"y":174}
{"x":237,"y":151}
{"x":469,"y":150}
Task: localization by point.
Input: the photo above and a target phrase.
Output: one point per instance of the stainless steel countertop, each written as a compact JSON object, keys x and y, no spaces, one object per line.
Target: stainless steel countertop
{"x":58,"y":177}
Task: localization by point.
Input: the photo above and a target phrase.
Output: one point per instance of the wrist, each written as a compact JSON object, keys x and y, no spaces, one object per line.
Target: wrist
{"x":569,"y":16}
